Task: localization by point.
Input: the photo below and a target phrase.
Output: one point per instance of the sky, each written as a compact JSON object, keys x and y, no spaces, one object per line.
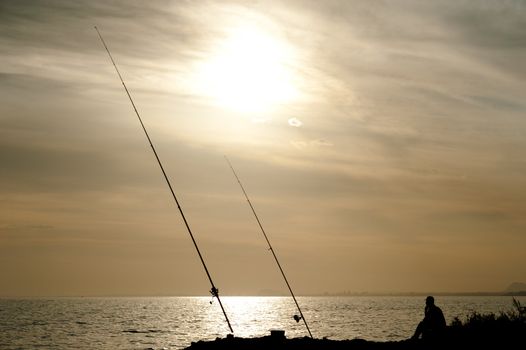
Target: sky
{"x":381,"y":143}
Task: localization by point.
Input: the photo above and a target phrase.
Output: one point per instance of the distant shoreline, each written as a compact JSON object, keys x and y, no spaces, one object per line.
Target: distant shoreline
{"x":410,"y":294}
{"x":357,"y":294}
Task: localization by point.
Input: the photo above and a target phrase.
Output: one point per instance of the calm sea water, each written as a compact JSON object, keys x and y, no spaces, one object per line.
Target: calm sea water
{"x":174,"y":322}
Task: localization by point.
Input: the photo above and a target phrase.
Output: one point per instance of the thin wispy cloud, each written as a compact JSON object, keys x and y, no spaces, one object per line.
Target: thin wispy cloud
{"x":407,"y":134}
{"x":295,"y":122}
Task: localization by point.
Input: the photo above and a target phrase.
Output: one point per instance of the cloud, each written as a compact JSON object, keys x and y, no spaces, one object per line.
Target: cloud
{"x":313,"y":144}
{"x":322,"y":143}
{"x":411,"y":131}
{"x":25,"y":227}
{"x":299,"y":144}
{"x":295,"y":122}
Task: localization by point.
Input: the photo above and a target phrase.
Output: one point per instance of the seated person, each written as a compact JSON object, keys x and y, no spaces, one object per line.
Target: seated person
{"x":433,"y":325}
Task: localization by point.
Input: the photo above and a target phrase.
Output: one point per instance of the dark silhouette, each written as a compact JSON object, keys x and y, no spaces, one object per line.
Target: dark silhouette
{"x":479,"y":331}
{"x":433,"y":326}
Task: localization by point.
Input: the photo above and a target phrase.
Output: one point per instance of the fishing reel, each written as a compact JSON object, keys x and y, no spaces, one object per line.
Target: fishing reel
{"x":215,"y":294}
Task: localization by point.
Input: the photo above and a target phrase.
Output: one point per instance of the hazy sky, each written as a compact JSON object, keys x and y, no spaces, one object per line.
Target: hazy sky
{"x":382,"y":144}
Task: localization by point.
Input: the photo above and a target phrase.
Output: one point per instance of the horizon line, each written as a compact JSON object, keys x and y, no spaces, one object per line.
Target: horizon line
{"x":325,"y":294}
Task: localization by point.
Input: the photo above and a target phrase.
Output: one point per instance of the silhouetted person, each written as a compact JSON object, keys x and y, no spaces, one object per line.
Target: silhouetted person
{"x":433,"y":326}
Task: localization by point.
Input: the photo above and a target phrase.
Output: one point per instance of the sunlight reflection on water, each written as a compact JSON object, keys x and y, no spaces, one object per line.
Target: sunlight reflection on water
{"x":174,"y":322}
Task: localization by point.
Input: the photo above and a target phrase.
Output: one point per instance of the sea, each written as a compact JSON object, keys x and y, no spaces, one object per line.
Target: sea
{"x":176,"y":322}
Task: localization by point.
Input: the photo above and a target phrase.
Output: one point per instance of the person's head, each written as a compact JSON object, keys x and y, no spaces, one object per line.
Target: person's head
{"x":430,"y":301}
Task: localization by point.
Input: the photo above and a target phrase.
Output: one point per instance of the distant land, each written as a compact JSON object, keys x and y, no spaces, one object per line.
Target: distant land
{"x":374,"y":294}
{"x":514,"y":289}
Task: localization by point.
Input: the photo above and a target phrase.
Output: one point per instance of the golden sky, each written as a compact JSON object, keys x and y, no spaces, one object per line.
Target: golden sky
{"x":382,"y":144}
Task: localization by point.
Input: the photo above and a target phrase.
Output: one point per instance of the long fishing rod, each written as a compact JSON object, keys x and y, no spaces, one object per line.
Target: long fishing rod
{"x":297,"y":318}
{"x":214,"y":291}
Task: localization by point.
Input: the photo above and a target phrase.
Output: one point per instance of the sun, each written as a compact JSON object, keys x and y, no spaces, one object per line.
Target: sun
{"x":249,"y":71}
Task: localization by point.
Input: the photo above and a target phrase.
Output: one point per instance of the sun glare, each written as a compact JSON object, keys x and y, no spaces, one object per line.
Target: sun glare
{"x":248,"y":72}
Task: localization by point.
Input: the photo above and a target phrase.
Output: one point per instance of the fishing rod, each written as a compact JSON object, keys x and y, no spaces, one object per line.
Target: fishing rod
{"x":296,"y":317}
{"x":214,"y":291}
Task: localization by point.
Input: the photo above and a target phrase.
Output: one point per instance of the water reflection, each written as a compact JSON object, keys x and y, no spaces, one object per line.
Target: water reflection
{"x":173,"y":323}
{"x":255,"y":316}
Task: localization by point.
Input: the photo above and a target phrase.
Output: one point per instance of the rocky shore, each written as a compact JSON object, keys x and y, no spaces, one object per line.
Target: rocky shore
{"x":479,"y":331}
{"x":271,"y":343}
{"x":464,"y":338}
